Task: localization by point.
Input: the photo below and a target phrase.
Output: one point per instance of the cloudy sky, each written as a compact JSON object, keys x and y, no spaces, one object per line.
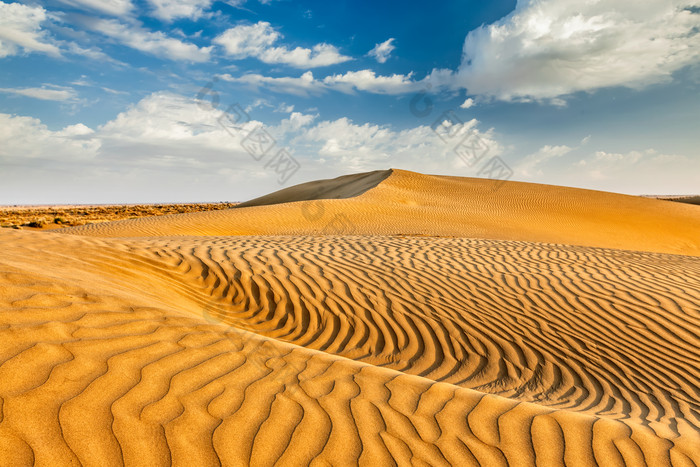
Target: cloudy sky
{"x":200,"y":100}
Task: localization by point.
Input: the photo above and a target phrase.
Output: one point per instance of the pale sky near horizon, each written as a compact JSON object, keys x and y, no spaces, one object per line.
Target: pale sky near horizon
{"x":199,"y":100}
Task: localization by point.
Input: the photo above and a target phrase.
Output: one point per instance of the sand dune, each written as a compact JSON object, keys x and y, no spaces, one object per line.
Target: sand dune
{"x":347,"y":186}
{"x":407,"y":203}
{"x":367,"y":348}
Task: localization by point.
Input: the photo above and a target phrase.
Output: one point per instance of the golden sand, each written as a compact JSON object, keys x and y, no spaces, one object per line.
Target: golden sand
{"x":411,"y":204}
{"x":385,"y":317}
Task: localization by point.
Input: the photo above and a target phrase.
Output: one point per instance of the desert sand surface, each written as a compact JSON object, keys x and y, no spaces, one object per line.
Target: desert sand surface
{"x":377,"y":319}
{"x":412,"y":204}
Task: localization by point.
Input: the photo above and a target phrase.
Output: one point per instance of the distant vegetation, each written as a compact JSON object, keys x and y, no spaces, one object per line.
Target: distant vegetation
{"x":65,"y":216}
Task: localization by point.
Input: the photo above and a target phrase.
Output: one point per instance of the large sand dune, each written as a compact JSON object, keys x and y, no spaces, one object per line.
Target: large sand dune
{"x":408,"y":203}
{"x":378,"y":347}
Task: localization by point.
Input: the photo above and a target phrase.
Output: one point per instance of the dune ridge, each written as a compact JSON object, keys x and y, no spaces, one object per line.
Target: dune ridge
{"x":251,"y":350}
{"x":346,"y":186}
{"x":407,"y":203}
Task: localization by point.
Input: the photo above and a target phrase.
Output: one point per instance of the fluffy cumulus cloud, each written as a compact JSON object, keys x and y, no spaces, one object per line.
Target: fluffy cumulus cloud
{"x":349,"y":82}
{"x":369,"y":81}
{"x":27,"y":139}
{"x":21,"y":31}
{"x":248,"y":40}
{"x":543,"y":51}
{"x":296,"y":122}
{"x":257,"y":40}
{"x":468,"y":103}
{"x":168,"y":128}
{"x":160,"y":127}
{"x":382,"y":51}
{"x":550,"y":48}
{"x":196,"y":153}
{"x":166,"y":147}
{"x":154,"y":43}
{"x":356,"y":147}
{"x":165,"y":125}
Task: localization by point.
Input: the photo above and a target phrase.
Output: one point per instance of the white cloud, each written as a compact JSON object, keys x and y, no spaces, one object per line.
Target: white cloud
{"x":382,"y":51}
{"x":551,"y":48}
{"x":20,"y":30}
{"x":467,"y":104}
{"x":349,"y":82}
{"x":301,"y":57}
{"x":164,"y":148}
{"x":181,"y":143}
{"x":43,"y":93}
{"x":168,"y":129}
{"x":91,"y":53}
{"x":284,"y":108}
{"x":169,"y":10}
{"x":154,"y":43}
{"x":543,"y":51}
{"x":530,"y":167}
{"x":257,"y":41}
{"x":367,"y":80}
{"x":355,"y":146}
{"x":110,"y":7}
{"x":293,"y":124}
{"x":636,"y":172}
{"x":247,"y":40}
{"x":633,"y":172}
{"x":360,"y":147}
{"x":114,"y":91}
{"x":158,"y":127}
{"x":26,"y":138}
{"x":301,"y":86}
{"x":169,"y":124}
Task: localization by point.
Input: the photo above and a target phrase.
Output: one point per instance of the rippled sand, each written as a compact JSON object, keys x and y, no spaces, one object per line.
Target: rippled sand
{"x":410,"y":319}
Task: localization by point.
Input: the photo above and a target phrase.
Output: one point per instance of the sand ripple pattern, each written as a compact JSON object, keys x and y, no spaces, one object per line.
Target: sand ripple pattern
{"x":383,"y":350}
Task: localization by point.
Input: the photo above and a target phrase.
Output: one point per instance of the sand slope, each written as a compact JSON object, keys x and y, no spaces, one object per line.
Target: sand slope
{"x":437,"y":348}
{"x":347,"y":186}
{"x":345,"y":350}
{"x":407,"y":203}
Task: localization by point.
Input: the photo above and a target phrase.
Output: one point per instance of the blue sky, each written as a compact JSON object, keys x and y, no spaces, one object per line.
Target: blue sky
{"x":101,"y":100}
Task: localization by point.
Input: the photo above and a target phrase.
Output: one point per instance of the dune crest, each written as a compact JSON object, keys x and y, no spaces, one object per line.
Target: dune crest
{"x":407,"y":203}
{"x":347,"y":186}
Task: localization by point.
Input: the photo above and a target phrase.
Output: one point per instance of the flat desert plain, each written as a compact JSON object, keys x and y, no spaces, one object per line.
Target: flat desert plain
{"x":374,"y":319}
